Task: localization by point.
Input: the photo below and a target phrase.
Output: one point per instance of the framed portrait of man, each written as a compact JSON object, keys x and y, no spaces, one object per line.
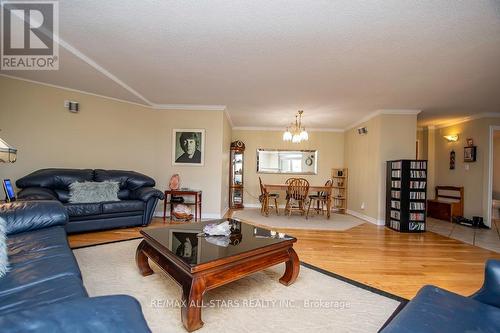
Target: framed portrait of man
{"x":188,"y":147}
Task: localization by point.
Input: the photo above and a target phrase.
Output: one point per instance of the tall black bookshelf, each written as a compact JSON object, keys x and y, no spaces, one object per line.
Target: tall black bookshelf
{"x":406,"y":195}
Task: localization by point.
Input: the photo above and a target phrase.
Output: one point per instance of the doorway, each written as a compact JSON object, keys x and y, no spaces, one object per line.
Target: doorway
{"x":494,"y":177}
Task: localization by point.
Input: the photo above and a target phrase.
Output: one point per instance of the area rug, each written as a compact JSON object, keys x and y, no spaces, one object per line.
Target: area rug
{"x":316,"y":302}
{"x":337,"y":222}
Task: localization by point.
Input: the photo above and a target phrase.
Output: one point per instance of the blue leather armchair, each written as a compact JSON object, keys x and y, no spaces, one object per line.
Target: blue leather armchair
{"x":43,"y":290}
{"x":436,"y":310}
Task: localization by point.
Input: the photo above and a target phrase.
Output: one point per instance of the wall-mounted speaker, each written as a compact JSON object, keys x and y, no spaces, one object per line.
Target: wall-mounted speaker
{"x":72,"y":106}
{"x":362,"y":130}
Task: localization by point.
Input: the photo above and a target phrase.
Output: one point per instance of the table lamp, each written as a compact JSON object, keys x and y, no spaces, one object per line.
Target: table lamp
{"x":7,"y":153}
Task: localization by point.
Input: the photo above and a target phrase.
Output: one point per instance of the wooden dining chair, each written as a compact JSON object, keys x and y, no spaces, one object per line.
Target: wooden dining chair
{"x":322,"y":199}
{"x":264,"y":198}
{"x":296,"y":194}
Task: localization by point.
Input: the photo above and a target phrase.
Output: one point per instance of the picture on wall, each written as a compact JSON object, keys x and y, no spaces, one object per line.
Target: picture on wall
{"x":470,"y":154}
{"x":188,"y":147}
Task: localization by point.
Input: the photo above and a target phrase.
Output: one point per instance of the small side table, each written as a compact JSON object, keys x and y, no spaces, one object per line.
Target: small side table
{"x":197,"y":202}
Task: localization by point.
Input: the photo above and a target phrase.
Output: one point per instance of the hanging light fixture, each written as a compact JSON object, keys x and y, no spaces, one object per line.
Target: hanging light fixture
{"x":296,"y":133}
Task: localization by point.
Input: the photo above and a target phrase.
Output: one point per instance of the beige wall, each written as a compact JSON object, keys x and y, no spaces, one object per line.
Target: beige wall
{"x":226,"y":144}
{"x":475,"y":180}
{"x":362,"y":160}
{"x":389,"y":137}
{"x":496,"y":166}
{"x":330,"y":146}
{"x":107,"y":134}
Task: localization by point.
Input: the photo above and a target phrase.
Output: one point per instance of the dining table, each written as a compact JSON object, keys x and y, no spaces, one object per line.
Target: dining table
{"x":312,"y":188}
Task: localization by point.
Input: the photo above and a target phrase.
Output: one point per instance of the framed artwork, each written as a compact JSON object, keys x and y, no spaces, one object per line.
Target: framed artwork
{"x":188,"y":147}
{"x":184,"y":243}
{"x":452,"y":160}
{"x":470,"y":142}
{"x":470,"y":154}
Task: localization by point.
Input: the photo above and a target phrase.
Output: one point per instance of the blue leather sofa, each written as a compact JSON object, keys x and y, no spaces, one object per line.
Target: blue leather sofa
{"x":43,"y":290}
{"x":138,"y":197}
{"x":436,"y":310}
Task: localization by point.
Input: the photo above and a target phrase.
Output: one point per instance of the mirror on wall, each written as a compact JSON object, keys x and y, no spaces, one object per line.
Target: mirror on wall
{"x":303,"y":162}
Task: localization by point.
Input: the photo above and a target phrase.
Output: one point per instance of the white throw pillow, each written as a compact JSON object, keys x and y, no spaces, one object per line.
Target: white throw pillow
{"x":4,"y":263}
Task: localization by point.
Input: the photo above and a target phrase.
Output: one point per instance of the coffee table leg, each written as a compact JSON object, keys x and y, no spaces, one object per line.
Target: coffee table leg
{"x":142,"y":260}
{"x":192,"y":297}
{"x":292,"y":268}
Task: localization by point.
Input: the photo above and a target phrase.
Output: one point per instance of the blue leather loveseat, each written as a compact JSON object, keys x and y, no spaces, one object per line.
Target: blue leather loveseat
{"x":436,"y":310}
{"x":43,"y":290}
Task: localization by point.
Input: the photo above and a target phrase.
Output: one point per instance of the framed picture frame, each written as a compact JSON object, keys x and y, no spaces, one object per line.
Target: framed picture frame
{"x":470,"y":154}
{"x":470,"y":142}
{"x":185,"y":244}
{"x":188,"y":147}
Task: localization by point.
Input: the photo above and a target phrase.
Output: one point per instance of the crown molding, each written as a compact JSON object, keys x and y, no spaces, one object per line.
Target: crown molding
{"x":226,"y":112}
{"x":469,"y":118}
{"x":75,"y":90}
{"x":281,"y":129}
{"x":70,"y":48}
{"x":406,"y":112}
{"x":189,"y":107}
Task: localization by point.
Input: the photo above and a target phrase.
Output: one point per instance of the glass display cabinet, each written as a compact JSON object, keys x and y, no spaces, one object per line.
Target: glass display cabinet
{"x":236,"y":175}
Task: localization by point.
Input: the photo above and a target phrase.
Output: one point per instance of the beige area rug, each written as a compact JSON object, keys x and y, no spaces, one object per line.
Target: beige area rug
{"x":337,"y":222}
{"x":257,"y":303}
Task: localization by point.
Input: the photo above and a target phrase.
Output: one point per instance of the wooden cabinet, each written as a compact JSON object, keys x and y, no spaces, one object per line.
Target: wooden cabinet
{"x":236,"y":175}
{"x":339,"y":190}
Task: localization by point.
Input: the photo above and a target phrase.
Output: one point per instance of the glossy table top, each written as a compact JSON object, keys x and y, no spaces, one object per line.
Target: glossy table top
{"x":189,"y":244}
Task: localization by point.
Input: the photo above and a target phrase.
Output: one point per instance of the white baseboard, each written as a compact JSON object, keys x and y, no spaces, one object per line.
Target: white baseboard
{"x":365,"y":217}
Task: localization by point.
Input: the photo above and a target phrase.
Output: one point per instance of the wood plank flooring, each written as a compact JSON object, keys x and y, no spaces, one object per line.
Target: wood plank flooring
{"x":391,"y":261}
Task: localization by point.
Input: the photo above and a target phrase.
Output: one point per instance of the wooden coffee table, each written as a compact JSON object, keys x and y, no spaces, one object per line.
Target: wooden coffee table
{"x":198,"y":264}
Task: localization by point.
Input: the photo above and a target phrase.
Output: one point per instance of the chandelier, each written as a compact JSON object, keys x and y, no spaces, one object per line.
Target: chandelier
{"x":295,"y":132}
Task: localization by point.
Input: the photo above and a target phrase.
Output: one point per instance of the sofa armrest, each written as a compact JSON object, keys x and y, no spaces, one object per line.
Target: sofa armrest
{"x":24,"y":216}
{"x":146,"y":193}
{"x":490,"y":291}
{"x":37,"y":193}
{"x":98,"y":314}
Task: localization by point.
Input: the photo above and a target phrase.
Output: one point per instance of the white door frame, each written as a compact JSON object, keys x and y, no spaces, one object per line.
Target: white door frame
{"x":489,"y":221}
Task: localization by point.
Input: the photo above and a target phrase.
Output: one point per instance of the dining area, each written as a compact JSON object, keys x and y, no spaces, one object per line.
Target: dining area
{"x":299,"y":197}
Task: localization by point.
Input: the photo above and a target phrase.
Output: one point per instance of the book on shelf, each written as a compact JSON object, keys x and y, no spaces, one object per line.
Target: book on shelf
{"x":417,"y":206}
{"x":396,"y":184}
{"x":417,"y":184}
{"x":395,"y":194}
{"x":417,"y":195}
{"x":418,"y":165}
{"x":418,"y":174}
{"x":396,"y":165}
{"x":395,"y":204}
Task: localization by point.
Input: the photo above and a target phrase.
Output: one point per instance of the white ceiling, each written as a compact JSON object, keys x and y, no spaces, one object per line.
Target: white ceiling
{"x":337,"y":60}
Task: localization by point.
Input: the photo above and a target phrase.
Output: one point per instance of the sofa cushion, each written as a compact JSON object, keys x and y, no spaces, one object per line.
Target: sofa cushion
{"x":62,"y":195}
{"x":4,"y":263}
{"x":89,"y":192}
{"x":122,"y":206}
{"x":83,"y":209}
{"x":55,"y":178}
{"x":130,"y":180}
{"x":36,"y":257}
{"x":60,"y":289}
{"x":436,"y":310}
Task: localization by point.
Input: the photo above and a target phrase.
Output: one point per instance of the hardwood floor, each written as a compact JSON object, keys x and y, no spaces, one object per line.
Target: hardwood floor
{"x":391,"y":261}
